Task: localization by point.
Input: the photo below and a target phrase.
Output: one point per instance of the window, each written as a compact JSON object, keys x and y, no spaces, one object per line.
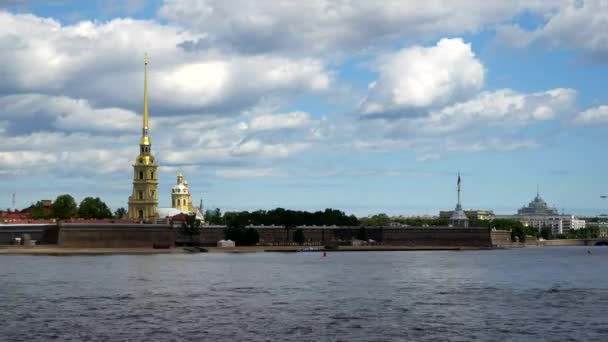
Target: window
{"x":141,"y":175}
{"x":140,"y":194}
{"x":152,"y":193}
{"x":152,"y":175}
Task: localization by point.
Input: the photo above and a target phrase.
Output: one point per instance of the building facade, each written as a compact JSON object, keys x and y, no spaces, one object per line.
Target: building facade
{"x":539,"y":215}
{"x":475,"y":214}
{"x":180,"y":195}
{"x":143,"y":202}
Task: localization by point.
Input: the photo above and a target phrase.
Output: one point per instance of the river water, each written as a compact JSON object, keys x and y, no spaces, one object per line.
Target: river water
{"x":525,"y":294}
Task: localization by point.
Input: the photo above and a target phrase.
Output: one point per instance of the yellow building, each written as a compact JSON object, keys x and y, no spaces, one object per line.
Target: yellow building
{"x":181,"y":202}
{"x":180,"y":196}
{"x":143,"y":202}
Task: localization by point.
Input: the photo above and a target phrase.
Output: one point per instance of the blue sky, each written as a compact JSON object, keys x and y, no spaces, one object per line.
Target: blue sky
{"x":353,"y":105}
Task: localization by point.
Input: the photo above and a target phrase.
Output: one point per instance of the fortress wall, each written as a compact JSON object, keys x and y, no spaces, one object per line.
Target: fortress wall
{"x":403,"y":236}
{"x":91,"y":235}
{"x":43,"y":233}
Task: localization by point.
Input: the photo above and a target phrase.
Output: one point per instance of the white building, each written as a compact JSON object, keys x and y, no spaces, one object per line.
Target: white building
{"x":538,"y":214}
{"x":559,"y":224}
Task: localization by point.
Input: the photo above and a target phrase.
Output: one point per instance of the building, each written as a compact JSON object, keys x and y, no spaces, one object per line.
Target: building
{"x":143,"y":202}
{"x":475,"y":214}
{"x":180,"y":195}
{"x":459,"y":218}
{"x":539,"y":215}
{"x":538,"y":207}
{"x":181,"y":201}
{"x":559,"y":224}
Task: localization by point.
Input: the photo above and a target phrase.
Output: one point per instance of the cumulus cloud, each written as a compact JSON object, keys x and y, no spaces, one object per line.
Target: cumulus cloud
{"x":594,"y":115}
{"x":66,"y":113}
{"x":101,"y":62}
{"x":490,"y":121}
{"x":249,"y":172}
{"x":280,"y":121}
{"x":501,"y":108}
{"x":332,"y":26}
{"x":416,"y":78}
{"x":574,"y":24}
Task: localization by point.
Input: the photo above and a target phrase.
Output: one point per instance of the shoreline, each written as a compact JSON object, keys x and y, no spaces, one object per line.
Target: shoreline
{"x":53,"y":250}
{"x":67,"y":251}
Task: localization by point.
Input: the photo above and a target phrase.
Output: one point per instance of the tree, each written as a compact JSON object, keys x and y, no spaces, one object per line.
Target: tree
{"x":214,"y":216}
{"x":191,"y":227}
{"x":236,"y":231}
{"x":64,"y":207}
{"x":298,"y":236}
{"x":38,"y":211}
{"x":546,"y":233}
{"x":93,"y":208}
{"x":120,"y":213}
{"x":362,"y":234}
{"x":251,"y":237}
{"x":376,"y":220}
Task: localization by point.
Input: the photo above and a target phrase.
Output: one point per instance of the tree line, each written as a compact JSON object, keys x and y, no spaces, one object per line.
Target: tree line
{"x":282,"y":217}
{"x":64,"y":207}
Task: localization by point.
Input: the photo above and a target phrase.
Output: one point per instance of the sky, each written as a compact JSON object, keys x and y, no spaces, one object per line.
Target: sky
{"x":362,"y":106}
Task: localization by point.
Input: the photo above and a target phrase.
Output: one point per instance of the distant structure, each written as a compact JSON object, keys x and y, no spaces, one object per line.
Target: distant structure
{"x":473,"y":214}
{"x":539,"y":215}
{"x":459,"y":218}
{"x":537,"y":207}
{"x":181,"y":201}
{"x":180,"y":195}
{"x":143,"y":202}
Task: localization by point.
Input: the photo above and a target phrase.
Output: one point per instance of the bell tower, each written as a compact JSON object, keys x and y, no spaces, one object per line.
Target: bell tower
{"x":143,"y":202}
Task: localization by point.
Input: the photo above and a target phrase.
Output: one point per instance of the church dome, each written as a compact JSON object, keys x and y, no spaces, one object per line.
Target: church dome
{"x":180,"y":189}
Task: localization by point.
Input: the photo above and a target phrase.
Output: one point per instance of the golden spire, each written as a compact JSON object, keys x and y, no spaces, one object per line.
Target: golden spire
{"x":145,"y":139}
{"x":180,"y":177}
{"x":146,"y":60}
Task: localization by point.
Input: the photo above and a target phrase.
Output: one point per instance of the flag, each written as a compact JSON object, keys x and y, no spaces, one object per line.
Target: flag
{"x":459,"y":179}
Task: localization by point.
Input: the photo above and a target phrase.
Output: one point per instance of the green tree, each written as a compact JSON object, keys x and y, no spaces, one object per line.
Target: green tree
{"x":236,"y":231}
{"x":120,"y":213}
{"x":546,"y":233}
{"x":376,"y":220}
{"x":191,"y":228}
{"x":93,"y":208}
{"x":251,"y":237}
{"x":64,"y":207}
{"x":298,"y":236}
{"x":362,"y":234}
{"x":214,"y":216}
{"x":38,"y":211}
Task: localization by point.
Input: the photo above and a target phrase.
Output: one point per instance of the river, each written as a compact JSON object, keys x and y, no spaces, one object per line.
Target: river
{"x":524,"y":294}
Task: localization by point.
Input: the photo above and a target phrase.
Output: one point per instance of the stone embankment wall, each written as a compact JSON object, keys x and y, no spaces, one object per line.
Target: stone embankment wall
{"x":87,"y":235}
{"x":394,"y":236}
{"x":42,"y":233}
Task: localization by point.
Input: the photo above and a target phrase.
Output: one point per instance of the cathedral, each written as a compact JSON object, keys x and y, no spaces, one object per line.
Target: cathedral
{"x":143,"y":202}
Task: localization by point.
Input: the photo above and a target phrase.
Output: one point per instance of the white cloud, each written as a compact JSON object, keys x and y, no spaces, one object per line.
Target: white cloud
{"x":334,"y":26}
{"x":101,"y":62}
{"x":67,"y":113}
{"x":596,"y":115}
{"x":490,"y":121}
{"x":575,"y":24}
{"x":417,"y":77}
{"x":248,"y":172}
{"x":280,"y":121}
{"x":501,"y":108}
